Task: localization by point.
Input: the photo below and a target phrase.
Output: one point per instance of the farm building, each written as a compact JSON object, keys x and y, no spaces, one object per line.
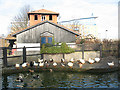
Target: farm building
{"x":43,"y":29}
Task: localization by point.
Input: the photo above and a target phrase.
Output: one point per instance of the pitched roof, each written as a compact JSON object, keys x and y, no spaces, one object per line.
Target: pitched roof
{"x":55,"y":24}
{"x":43,"y":11}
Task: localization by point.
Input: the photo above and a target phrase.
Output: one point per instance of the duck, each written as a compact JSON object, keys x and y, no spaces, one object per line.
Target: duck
{"x":17,"y":66}
{"x":24,"y":65}
{"x":35,"y":64}
{"x":62,"y":60}
{"x":63,"y":65}
{"x":19,"y":79}
{"x":54,"y":64}
{"x":82,"y":61}
{"x":70,"y":64}
{"x":97,"y":59}
{"x":91,"y":61}
{"x":111,"y":64}
{"x":41,"y":64}
{"x":72,"y":60}
{"x":51,"y":60}
{"x":40,"y":60}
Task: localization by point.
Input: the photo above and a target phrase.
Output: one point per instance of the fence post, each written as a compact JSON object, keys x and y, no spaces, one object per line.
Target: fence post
{"x":4,"y":57}
{"x":83,"y":51}
{"x":24,"y":54}
{"x":63,"y":55}
{"x":100,"y":50}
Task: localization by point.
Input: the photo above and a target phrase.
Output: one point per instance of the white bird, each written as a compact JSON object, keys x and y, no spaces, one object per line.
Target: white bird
{"x":40,"y":60}
{"x":54,"y":64}
{"x":72,"y":60}
{"x":111,"y":64}
{"x":82,"y":61}
{"x":51,"y":60}
{"x":24,"y":65}
{"x":62,"y":65}
{"x":80,"y":65}
{"x":91,"y":61}
{"x":41,"y":64}
{"x":97,"y":59}
{"x":35,"y":64}
{"x":70,"y":64}
{"x":17,"y":66}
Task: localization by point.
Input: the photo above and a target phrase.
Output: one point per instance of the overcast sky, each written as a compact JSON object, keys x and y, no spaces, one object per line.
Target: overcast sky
{"x":105,"y":10}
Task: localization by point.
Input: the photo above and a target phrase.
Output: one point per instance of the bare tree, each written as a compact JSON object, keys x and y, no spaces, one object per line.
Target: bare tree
{"x":20,"y":21}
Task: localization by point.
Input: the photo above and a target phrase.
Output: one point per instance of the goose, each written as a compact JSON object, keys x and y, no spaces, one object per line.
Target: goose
{"x":111,"y":64}
{"x":72,"y":60}
{"x":19,"y":79}
{"x":62,"y":60}
{"x":62,"y":65}
{"x":91,"y":61}
{"x":24,"y":65}
{"x":17,"y":66}
{"x":97,"y":59}
{"x":54,"y":64}
{"x":40,"y":60}
{"x":35,"y":64}
{"x":51,"y":70}
{"x":41,"y":64}
{"x":51,"y":60}
{"x":70,"y":64}
{"x":82,"y":61}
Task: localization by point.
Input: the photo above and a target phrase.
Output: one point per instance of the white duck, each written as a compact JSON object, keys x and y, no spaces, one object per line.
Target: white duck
{"x":72,"y":60}
{"x":35,"y":64}
{"x":91,"y":61}
{"x":62,"y":60}
{"x":70,"y":64}
{"x":82,"y":61}
{"x":54,"y":64}
{"x":17,"y":66}
{"x":24,"y":65}
{"x":41,"y":64}
{"x":97,"y":59}
{"x":62,"y":65}
{"x":111,"y":64}
{"x":51,"y":60}
{"x":40,"y":60}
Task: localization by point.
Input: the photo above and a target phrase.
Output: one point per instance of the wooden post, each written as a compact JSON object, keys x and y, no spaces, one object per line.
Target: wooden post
{"x":4,"y":57}
{"x":83,"y":51}
{"x":24,"y":54}
{"x":100,"y":50}
{"x":63,"y":55}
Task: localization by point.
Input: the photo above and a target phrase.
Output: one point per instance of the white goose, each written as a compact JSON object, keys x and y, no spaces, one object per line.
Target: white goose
{"x":41,"y":64}
{"x":72,"y":60}
{"x":82,"y":61}
{"x":40,"y":60}
{"x":97,"y":59}
{"x":62,"y":65}
{"x":91,"y":61}
{"x":62,"y":60}
{"x":111,"y":64}
{"x":70,"y":64}
{"x":35,"y":64}
{"x":24,"y":65}
{"x":17,"y":66}
{"x":54,"y":64}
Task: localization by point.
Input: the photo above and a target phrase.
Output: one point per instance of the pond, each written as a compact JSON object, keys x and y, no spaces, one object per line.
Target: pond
{"x":62,"y":80}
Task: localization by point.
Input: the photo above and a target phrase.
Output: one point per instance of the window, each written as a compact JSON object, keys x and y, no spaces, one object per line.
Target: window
{"x":50,"y":17}
{"x":36,"y":17}
{"x":43,"y":18}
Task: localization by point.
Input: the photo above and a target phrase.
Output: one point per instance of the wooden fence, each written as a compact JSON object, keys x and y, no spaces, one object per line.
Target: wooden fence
{"x":24,"y":53}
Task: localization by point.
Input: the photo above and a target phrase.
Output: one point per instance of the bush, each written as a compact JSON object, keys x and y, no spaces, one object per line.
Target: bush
{"x":56,"y":49}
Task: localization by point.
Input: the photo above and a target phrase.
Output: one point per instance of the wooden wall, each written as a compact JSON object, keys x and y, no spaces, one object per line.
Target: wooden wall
{"x":33,"y":35}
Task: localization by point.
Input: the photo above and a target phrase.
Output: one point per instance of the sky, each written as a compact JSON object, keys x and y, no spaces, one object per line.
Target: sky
{"x":105,"y":10}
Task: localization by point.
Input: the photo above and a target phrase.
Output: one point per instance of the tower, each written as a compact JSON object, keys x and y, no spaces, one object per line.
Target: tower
{"x":41,"y":15}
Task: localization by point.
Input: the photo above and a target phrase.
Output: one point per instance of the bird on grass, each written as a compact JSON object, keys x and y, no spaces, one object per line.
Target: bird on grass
{"x":51,"y":60}
{"x":17,"y":66}
{"x":62,"y":60}
{"x":91,"y":61}
{"x":72,"y":60}
{"x":97,"y":59}
{"x":54,"y":64}
{"x":70,"y":64}
{"x":111,"y":64}
{"x":36,"y":76}
{"x":40,"y":60}
{"x":35,"y":64}
{"x":41,"y":64}
{"x":24,"y":65}
{"x":82,"y":61}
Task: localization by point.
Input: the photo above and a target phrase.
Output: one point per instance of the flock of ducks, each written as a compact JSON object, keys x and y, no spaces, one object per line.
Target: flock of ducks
{"x":46,"y":63}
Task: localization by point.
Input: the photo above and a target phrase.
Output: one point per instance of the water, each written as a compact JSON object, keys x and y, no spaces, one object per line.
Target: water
{"x":62,"y":80}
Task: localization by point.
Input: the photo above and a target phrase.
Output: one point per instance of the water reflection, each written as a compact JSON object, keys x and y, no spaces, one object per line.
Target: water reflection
{"x":63,"y":80}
